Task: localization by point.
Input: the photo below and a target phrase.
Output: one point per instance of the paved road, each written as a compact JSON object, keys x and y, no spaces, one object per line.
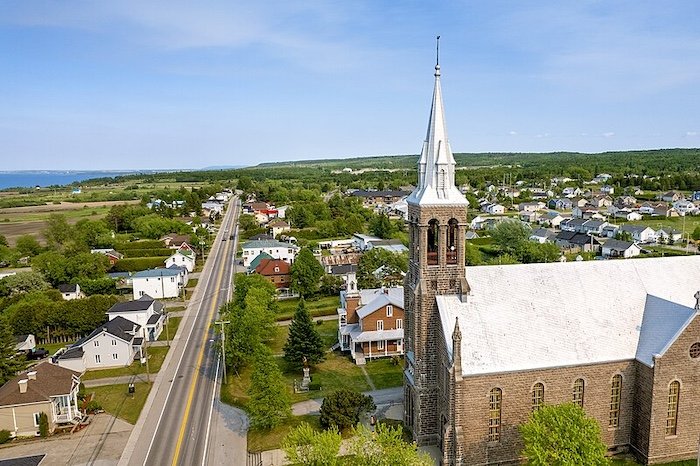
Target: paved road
{"x":175,"y":426}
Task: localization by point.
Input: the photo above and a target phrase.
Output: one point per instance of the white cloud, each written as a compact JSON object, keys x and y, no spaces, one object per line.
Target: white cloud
{"x":608,"y":134}
{"x":513,"y":133}
{"x":691,"y":133}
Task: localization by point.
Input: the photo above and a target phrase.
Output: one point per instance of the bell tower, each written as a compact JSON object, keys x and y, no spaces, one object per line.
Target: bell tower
{"x":437,"y":216}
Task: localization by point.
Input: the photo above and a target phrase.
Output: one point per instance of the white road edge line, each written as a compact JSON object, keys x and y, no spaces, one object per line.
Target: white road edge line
{"x":211,"y":410}
{"x":177,"y":368}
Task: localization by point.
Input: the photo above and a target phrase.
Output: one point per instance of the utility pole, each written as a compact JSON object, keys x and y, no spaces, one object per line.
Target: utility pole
{"x":223,"y":344}
{"x":145,"y":352}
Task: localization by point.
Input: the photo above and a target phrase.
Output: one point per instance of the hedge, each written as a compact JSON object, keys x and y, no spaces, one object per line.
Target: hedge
{"x":162,"y":252}
{"x":145,"y":244}
{"x":138,"y":264}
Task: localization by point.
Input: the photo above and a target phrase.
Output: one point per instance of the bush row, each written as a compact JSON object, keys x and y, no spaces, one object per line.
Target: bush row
{"x":145,"y":244}
{"x":161,"y":252}
{"x":138,"y":264}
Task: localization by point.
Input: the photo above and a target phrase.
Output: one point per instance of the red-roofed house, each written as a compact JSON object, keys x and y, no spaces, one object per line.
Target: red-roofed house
{"x":276,"y":271}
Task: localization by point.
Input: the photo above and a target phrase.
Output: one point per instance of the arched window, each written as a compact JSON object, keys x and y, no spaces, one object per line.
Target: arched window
{"x":615,"y":395}
{"x":579,"y":386}
{"x":452,"y":236}
{"x":674,"y":392}
{"x":537,"y":396}
{"x":495,"y":414}
{"x":433,"y":242}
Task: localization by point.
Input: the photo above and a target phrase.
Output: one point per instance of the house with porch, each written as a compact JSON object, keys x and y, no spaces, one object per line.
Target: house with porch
{"x":157,"y":283}
{"x":370,"y":322}
{"x":45,"y":388}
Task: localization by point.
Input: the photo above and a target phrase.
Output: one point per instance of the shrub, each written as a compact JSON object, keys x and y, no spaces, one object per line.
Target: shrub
{"x":93,"y":406}
{"x":156,"y":252}
{"x":43,"y":425}
{"x":4,"y":436}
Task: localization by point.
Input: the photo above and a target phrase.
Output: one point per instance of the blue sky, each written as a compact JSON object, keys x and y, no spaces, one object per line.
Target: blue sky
{"x":181,"y":84}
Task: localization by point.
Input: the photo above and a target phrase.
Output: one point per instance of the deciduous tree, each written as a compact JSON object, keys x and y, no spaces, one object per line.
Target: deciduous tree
{"x":305,"y":272}
{"x":562,"y":435}
{"x":308,"y":447}
{"x":269,"y":401}
{"x":385,"y":447}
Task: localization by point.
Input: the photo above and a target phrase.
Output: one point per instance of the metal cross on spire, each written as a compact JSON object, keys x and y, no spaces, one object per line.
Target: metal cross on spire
{"x":437,"y":51}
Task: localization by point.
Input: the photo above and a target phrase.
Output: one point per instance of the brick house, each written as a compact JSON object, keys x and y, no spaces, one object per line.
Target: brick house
{"x":370,"y":322}
{"x":276,"y":271}
{"x":486,"y":345}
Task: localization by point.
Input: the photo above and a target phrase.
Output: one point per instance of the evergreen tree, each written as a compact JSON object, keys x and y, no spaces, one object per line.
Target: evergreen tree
{"x":304,"y":340}
{"x":9,"y":364}
{"x":270,"y":402}
{"x":343,"y":408}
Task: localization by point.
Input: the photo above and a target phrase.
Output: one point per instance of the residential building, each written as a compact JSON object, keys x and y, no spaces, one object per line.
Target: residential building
{"x":562,"y":203}
{"x":112,"y":255}
{"x":528,"y":216}
{"x":685,"y":207}
{"x":593,"y":226}
{"x":600,"y":201}
{"x":157,"y":283}
{"x":640,"y":233}
{"x":276,"y":249}
{"x":276,"y":271}
{"x":486,"y":345}
{"x":668,"y":235}
{"x":146,"y":312}
{"x":617,"y":248}
{"x":551,"y":218}
{"x":571,"y":192}
{"x":25,"y":343}
{"x":573,"y":242}
{"x":116,"y":343}
{"x":391,"y":245}
{"x":45,"y":388}
{"x":543,"y":235}
{"x":671,"y":196}
{"x":370,"y":322}
{"x":70,"y":291}
{"x":627,"y":214}
{"x":213,"y":207}
{"x":277,"y":226}
{"x":607,"y":189}
{"x":175,"y":240}
{"x":531,"y":206}
{"x":493,"y":208}
{"x":183,"y":257}
{"x":584,"y":212}
{"x":372,"y":199}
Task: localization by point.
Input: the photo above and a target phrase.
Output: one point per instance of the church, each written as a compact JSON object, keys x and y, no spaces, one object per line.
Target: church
{"x":487,"y":345}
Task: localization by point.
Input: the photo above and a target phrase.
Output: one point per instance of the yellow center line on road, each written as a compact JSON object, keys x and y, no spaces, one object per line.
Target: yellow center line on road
{"x":190,"y":396}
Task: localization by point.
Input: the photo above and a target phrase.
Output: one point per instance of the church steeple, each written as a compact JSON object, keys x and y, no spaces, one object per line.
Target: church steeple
{"x":436,"y":166}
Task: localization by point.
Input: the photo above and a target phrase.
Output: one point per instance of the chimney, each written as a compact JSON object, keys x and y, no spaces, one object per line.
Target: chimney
{"x":31,"y":375}
{"x":23,"y":385}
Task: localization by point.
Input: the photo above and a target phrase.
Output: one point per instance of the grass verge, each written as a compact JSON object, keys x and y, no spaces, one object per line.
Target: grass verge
{"x":263,"y":439}
{"x":385,"y":373}
{"x":116,"y":400}
{"x":173,"y":324}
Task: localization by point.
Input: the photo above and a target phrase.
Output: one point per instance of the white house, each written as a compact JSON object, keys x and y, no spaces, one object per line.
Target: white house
{"x":158,"y":283}
{"x":616,"y":248}
{"x":70,"y":291}
{"x":145,"y":311}
{"x":531,"y":206}
{"x":640,"y":233}
{"x":493,"y":208}
{"x":213,"y":206}
{"x":277,"y":226}
{"x":628,"y":215}
{"x":183,"y":257}
{"x":685,"y":207}
{"x":25,"y":343}
{"x":607,"y":189}
{"x":666,"y":235}
{"x":571,"y":192}
{"x":116,"y":343}
{"x":276,"y":249}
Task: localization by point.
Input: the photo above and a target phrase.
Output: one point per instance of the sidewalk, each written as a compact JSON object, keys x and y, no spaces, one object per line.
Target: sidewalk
{"x":289,"y":321}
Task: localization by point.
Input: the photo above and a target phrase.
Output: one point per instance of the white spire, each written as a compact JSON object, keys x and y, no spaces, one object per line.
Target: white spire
{"x":436,"y":166}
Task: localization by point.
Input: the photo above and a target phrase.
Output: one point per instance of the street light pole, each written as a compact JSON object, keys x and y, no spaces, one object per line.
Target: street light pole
{"x":223,"y":344}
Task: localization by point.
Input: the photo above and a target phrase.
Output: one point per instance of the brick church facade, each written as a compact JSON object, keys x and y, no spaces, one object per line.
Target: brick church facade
{"x":486,"y":345}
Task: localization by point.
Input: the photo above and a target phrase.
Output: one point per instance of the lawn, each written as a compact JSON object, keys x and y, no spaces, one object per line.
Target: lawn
{"x":173,"y":324}
{"x":262,"y":439}
{"x":385,"y":373}
{"x":53,"y":347}
{"x":691,"y":222}
{"x":323,"y":306}
{"x":632,"y":462}
{"x":156,"y":358}
{"x":116,"y":400}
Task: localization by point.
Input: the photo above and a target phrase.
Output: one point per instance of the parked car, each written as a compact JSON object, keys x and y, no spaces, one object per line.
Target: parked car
{"x":37,"y":353}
